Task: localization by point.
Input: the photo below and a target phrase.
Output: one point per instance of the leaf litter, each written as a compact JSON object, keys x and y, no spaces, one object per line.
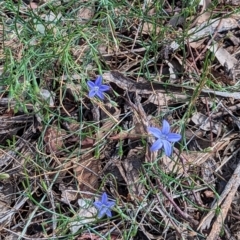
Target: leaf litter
{"x":64,"y":142}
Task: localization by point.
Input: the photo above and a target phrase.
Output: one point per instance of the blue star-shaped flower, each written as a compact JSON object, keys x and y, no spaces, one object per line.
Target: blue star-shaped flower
{"x":104,"y":206}
{"x":164,"y":137}
{"x":97,"y":88}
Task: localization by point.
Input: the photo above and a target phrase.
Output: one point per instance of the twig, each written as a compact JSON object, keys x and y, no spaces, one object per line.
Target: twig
{"x":226,"y":111}
{"x":159,"y":200}
{"x":231,"y":187}
{"x":210,"y":121}
{"x":183,"y":214}
{"x":209,"y":42}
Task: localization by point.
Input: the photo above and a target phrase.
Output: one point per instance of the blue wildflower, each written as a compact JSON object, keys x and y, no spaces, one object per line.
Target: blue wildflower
{"x":97,"y":88}
{"x":164,"y":137}
{"x":104,"y":206}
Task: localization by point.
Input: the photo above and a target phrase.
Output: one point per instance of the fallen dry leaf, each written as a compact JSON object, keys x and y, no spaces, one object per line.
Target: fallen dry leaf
{"x":203,"y":121}
{"x":85,"y":13}
{"x":68,"y":193}
{"x":54,"y":139}
{"x":209,"y":194}
{"x":87,"y":142}
{"x":86,"y":214}
{"x":86,"y":172}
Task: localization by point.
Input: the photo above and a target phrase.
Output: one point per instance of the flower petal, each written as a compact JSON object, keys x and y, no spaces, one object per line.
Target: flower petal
{"x":104,"y":88}
{"x":108,"y":213}
{"x":102,"y":212}
{"x":100,"y":94}
{"x":92,"y":93}
{"x":91,"y":84}
{"x":156,"y":145}
{"x":104,"y":199}
{"x":173,"y":137}
{"x":155,"y":132}
{"x":98,"y":81}
{"x":165,"y":127}
{"x":110,"y":204}
{"x":97,"y":204}
{"x":167,"y":147}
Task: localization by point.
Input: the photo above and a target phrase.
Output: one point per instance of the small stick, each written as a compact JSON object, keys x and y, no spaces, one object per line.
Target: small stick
{"x":210,"y":121}
{"x":183,"y":214}
{"x":232,"y":186}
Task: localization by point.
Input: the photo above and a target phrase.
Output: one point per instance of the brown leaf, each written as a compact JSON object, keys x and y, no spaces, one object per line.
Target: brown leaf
{"x":87,"y":174}
{"x":108,"y":125}
{"x":68,"y":193}
{"x":87,"y":142}
{"x":86,"y":13}
{"x":132,"y":166}
{"x":209,"y":194}
{"x":86,"y":214}
{"x":53,"y":139}
{"x":172,"y":164}
{"x":149,"y":27}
